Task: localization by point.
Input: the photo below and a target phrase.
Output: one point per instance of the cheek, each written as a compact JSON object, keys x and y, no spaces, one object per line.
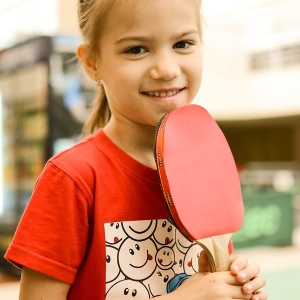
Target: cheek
{"x":197,"y":73}
{"x":131,"y":74}
{"x":199,"y":78}
{"x":195,"y":79}
{"x":118,"y":82}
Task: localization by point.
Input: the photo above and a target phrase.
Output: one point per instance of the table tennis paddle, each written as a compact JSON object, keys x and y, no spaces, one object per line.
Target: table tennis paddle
{"x":200,"y":181}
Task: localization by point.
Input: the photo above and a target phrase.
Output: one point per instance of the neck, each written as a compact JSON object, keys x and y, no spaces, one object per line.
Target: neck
{"x":136,"y":141}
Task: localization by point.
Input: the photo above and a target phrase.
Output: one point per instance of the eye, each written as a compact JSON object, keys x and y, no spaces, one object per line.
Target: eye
{"x":136,"y":50}
{"x":182,"y":45}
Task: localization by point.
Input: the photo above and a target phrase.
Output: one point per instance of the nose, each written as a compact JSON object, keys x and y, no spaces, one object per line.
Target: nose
{"x":164,"y":67}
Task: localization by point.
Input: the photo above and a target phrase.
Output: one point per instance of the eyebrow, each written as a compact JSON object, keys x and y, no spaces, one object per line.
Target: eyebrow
{"x":132,"y":39}
{"x":144,"y":39}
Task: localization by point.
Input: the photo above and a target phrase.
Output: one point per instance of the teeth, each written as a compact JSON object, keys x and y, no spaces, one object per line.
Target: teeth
{"x":163,"y":94}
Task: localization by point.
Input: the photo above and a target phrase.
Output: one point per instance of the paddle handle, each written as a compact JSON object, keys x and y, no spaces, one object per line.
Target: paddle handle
{"x":216,"y":248}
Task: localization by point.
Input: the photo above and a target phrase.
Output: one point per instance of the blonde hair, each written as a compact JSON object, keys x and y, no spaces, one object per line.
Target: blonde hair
{"x":92,"y":16}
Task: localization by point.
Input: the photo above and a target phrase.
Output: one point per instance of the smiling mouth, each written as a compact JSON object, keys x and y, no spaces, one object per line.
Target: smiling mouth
{"x":149,"y":257}
{"x":165,"y":265}
{"x":163,"y":93}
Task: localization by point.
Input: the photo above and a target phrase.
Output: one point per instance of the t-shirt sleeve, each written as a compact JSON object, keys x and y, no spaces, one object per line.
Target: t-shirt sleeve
{"x":52,"y":235}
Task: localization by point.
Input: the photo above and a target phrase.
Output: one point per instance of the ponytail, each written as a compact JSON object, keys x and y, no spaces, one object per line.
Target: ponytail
{"x":100,"y":113}
{"x":92,"y":16}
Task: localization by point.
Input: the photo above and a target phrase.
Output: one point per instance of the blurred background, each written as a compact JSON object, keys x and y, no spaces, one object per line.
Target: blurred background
{"x":251,"y":85}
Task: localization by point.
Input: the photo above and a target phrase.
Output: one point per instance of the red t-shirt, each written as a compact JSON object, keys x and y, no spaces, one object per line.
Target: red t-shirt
{"x":97,"y":220}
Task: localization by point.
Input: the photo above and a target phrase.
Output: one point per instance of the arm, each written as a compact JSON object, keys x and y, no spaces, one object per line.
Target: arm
{"x":37,"y":286}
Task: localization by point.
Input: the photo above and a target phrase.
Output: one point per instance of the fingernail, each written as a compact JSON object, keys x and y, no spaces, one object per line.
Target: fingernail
{"x":249,"y":288}
{"x":235,"y":269}
{"x":244,"y":276}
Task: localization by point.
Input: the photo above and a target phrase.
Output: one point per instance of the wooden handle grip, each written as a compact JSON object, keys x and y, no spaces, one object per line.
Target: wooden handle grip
{"x":216,"y":249}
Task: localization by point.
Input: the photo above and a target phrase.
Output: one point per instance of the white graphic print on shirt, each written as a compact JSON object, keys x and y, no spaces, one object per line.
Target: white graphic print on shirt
{"x":146,"y":259}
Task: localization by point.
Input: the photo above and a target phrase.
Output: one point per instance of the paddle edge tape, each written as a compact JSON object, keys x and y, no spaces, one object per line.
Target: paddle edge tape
{"x":164,"y":184}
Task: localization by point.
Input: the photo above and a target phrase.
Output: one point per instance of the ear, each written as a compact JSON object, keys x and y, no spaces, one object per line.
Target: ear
{"x":87,"y":60}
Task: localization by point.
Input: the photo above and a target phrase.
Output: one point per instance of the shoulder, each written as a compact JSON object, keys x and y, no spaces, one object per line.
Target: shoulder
{"x":81,"y":164}
{"x":82,"y":156}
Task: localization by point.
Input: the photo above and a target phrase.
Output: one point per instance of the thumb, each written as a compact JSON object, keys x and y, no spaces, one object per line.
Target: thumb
{"x":203,"y":263}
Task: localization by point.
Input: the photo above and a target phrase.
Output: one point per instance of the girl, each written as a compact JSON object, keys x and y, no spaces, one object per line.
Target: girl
{"x":96,"y":226}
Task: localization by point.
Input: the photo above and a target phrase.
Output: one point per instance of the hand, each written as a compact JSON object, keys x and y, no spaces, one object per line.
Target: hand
{"x":248,"y":276}
{"x":205,"y":285}
{"x":210,"y":286}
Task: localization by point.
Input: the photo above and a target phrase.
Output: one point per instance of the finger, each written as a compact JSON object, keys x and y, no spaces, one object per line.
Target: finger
{"x":238,"y":263}
{"x":260,"y":295}
{"x":227,"y":278}
{"x":236,"y":293}
{"x":249,"y":272}
{"x":254,"y":285}
{"x":203,"y":263}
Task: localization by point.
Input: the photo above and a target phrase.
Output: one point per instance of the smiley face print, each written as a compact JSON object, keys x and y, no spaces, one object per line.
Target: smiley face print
{"x":139,"y":231}
{"x":127,"y":289}
{"x":137,"y":258}
{"x":117,"y":234}
{"x":144,"y":257}
{"x":165,"y":235}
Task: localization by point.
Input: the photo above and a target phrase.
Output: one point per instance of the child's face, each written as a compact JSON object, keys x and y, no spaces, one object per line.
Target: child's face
{"x":150,"y":58}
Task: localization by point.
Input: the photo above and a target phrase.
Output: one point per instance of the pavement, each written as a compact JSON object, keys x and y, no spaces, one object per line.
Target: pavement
{"x":279,"y":265}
